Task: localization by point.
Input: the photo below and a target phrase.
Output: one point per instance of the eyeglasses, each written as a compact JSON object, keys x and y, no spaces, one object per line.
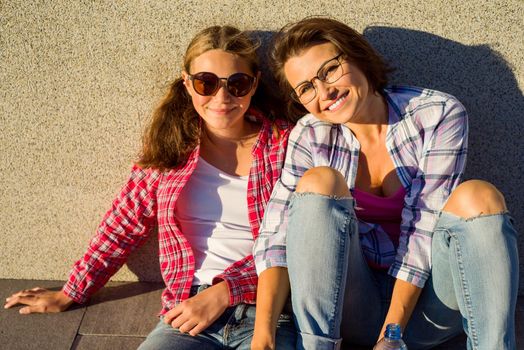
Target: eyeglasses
{"x":329,"y":72}
{"x":207,"y":84}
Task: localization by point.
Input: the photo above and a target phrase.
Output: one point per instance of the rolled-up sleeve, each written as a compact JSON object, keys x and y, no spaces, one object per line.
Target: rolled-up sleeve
{"x":124,"y":227}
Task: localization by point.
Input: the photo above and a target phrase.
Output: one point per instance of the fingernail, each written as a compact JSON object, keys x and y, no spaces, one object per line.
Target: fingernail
{"x":23,"y":311}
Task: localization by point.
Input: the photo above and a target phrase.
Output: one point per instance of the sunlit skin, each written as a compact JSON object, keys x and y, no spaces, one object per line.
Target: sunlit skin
{"x":228,"y":137}
{"x":357,"y":102}
{"x":222,"y":113}
{"x":354,"y":104}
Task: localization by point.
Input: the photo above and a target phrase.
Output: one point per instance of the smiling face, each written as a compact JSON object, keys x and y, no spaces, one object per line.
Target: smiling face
{"x":350,"y":99}
{"x":223,"y":111}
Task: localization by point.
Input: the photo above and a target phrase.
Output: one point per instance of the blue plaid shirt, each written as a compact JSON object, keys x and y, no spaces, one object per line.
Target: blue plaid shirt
{"x":427,"y":141}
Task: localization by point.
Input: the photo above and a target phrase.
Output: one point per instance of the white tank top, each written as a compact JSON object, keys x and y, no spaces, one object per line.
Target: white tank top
{"x":212,"y":213}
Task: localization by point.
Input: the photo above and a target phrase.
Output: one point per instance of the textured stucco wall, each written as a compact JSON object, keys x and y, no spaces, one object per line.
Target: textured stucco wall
{"x":79,"y":78}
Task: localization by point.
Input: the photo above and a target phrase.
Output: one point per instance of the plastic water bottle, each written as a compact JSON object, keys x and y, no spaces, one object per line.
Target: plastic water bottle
{"x":392,"y":339}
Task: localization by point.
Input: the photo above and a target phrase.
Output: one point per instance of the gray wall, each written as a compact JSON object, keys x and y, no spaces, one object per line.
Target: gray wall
{"x":79,"y":78}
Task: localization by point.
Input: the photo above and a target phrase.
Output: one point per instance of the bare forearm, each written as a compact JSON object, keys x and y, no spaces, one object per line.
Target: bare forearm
{"x":403,"y":301}
{"x":272,"y":293}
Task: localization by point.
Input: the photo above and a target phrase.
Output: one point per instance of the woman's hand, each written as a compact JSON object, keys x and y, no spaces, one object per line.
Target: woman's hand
{"x":197,"y":313}
{"x":262,"y":341}
{"x":39,"y":300}
{"x":403,"y":302}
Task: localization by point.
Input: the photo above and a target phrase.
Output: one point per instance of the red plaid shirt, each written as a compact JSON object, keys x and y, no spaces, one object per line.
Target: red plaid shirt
{"x":148,"y":199}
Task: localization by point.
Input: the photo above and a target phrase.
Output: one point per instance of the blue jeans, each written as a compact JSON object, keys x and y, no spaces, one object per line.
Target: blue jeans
{"x":336,"y":295}
{"x":232,"y":330}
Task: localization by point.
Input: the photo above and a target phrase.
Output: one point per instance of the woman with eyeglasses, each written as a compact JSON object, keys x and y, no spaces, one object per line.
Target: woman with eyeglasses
{"x":209,"y":161}
{"x":369,"y":219}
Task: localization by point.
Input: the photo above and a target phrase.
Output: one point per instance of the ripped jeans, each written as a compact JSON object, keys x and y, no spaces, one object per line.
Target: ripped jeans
{"x":336,"y":295}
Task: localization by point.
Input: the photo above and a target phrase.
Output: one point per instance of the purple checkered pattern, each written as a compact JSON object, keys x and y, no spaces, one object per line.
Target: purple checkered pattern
{"x":427,"y":141}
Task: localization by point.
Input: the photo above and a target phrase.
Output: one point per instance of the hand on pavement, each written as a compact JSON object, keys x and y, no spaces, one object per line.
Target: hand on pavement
{"x":39,"y":300}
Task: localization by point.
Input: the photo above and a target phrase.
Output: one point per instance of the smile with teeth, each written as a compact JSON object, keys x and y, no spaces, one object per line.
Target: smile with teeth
{"x":337,"y":102}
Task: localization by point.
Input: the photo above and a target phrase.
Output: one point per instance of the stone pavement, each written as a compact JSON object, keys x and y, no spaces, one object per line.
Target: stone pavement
{"x":117,"y":317}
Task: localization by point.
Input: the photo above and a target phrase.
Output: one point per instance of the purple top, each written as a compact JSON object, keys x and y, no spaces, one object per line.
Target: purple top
{"x":383,"y":211}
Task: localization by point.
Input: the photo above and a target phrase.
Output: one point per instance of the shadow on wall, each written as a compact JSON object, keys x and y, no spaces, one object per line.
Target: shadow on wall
{"x":484,"y":82}
{"x":264,"y":38}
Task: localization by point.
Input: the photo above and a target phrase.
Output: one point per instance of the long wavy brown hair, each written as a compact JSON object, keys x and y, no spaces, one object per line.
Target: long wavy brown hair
{"x":174,"y":128}
{"x":294,"y":38}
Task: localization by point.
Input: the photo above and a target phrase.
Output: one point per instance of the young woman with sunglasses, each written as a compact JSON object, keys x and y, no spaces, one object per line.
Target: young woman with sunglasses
{"x":369,"y":219}
{"x":209,"y":161}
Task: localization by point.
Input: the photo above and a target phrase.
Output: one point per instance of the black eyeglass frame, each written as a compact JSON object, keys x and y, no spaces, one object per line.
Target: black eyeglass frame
{"x":293,"y":94}
{"x":227,"y":83}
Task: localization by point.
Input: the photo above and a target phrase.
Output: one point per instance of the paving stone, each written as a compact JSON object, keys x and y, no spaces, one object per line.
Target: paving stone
{"x":94,"y":342}
{"x":36,"y":331}
{"x":118,"y":317}
{"x":127,"y":309}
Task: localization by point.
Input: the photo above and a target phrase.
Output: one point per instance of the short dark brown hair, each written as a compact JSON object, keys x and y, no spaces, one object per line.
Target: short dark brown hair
{"x":294,"y":38}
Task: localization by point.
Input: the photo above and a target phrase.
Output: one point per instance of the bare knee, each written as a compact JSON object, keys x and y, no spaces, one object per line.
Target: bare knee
{"x":475,"y":197}
{"x":323,"y":180}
